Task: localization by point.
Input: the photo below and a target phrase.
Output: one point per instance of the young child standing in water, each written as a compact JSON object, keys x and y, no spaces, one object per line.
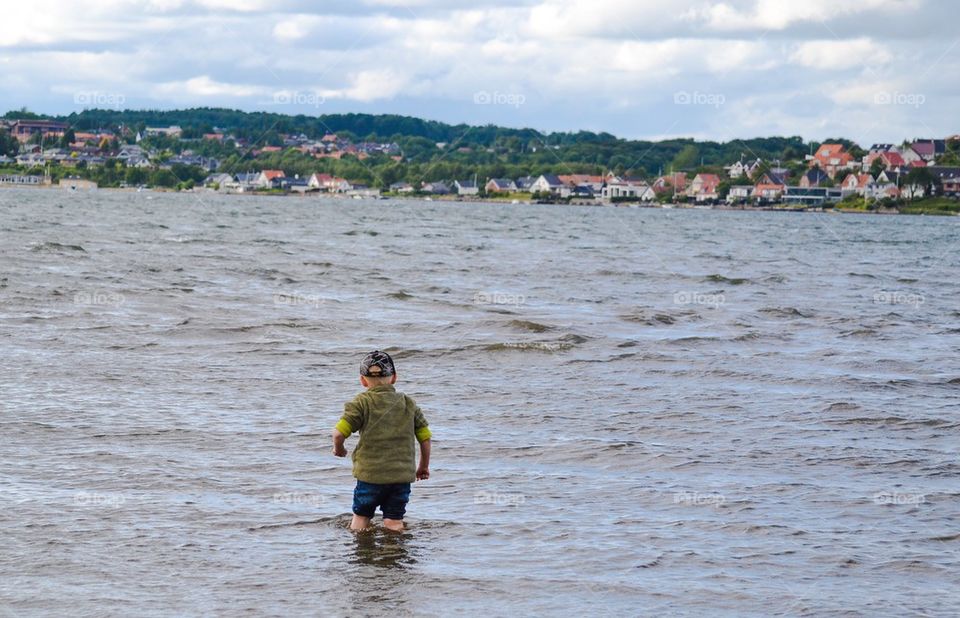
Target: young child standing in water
{"x":384,"y":461}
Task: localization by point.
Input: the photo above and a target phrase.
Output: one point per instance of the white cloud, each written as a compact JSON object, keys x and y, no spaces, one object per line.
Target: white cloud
{"x":290,"y":30}
{"x":833,"y":55}
{"x":371,"y":85}
{"x":606,"y":64}
{"x":775,"y":15}
{"x":203,"y":86}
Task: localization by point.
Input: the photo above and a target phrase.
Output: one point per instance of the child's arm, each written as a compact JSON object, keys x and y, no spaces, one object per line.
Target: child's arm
{"x":353,"y":420}
{"x":423,"y":470}
{"x":338,"y":449}
{"x":422,"y":432}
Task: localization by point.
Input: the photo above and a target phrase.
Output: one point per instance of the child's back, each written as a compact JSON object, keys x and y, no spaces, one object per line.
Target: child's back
{"x":390,"y":423}
{"x":384,"y":461}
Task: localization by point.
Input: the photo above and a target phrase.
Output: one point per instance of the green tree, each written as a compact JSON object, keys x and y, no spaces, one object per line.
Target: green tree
{"x":9,"y":145}
{"x":923,"y":177}
{"x":68,"y":138}
{"x":136,"y":176}
{"x":686,"y":159}
{"x":723,"y":189}
{"x":163,"y":178}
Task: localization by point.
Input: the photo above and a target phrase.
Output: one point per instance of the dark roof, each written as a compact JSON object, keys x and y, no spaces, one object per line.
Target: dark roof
{"x":37,"y":124}
{"x":553,"y":180}
{"x":929,"y":146}
{"x":943,"y":171}
{"x":776,"y":179}
{"x":816,"y":175}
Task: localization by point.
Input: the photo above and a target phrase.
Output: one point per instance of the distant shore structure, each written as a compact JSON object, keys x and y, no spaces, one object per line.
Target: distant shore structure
{"x":77,"y":184}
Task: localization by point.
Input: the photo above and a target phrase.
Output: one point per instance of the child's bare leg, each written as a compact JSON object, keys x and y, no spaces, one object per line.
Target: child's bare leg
{"x":359,"y":522}
{"x":393,"y":524}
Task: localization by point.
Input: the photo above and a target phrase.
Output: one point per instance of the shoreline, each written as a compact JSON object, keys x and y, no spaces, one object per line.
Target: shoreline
{"x":472,"y":200}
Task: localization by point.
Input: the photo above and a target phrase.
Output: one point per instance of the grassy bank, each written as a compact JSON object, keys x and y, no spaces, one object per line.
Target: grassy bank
{"x":931,"y":206}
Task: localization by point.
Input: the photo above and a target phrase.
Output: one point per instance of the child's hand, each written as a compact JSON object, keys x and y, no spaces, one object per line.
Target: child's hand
{"x":339,"y":450}
{"x":423,"y":473}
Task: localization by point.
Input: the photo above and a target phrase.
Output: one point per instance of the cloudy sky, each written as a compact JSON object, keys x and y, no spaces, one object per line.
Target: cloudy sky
{"x":872,"y":70}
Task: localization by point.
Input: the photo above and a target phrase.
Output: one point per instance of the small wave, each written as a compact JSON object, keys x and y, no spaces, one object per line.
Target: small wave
{"x":151,"y":344}
{"x":189,"y":241}
{"x":55,"y":246}
{"x":715,"y":278}
{"x":650,"y":320}
{"x":401,"y":295}
{"x":617,"y":357}
{"x":533,"y":327}
{"x":534,"y":346}
{"x":898,"y":421}
{"x":841,"y":406}
{"x":693,"y":339}
{"x":367,"y":232}
{"x":251,"y":327}
{"x":649,"y":564}
{"x":336,"y":519}
{"x":606,"y":272}
{"x":785,"y":312}
{"x":947,"y":537}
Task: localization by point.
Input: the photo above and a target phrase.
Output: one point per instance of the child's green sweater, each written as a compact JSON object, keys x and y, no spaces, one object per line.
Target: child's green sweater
{"x":390,"y":425}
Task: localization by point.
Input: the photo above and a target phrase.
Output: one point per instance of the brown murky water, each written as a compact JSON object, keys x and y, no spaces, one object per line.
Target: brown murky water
{"x":636,"y":412}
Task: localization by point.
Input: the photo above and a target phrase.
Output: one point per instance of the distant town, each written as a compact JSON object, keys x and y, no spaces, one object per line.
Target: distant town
{"x":884,"y":177}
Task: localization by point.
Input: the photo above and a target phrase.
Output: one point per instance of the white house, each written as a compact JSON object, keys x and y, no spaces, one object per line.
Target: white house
{"x":857,"y":183}
{"x":911,"y":156}
{"x":704,"y":187}
{"x":739,"y":193}
{"x":620,"y":189}
{"x":402,"y":187}
{"x":500,"y":185}
{"x":740,"y":169}
{"x":466,"y":187}
{"x":548,"y":183}
{"x":218,"y":180}
{"x":171,"y":131}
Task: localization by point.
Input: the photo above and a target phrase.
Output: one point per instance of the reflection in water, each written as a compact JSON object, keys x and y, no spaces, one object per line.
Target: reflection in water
{"x":384,"y":577}
{"x":383,"y":549}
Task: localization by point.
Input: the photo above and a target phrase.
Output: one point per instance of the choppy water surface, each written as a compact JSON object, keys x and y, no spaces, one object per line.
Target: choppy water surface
{"x":636,"y":412}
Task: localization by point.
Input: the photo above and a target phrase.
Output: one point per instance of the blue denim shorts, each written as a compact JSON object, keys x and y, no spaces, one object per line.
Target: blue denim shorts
{"x":392,"y":499}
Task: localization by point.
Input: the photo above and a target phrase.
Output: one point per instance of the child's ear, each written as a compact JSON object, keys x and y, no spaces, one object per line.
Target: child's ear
{"x":363,"y":382}
{"x":393,"y":380}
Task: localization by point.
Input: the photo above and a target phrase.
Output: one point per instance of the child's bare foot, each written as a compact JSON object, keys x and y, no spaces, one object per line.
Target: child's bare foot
{"x":395,"y":525}
{"x":359,"y":523}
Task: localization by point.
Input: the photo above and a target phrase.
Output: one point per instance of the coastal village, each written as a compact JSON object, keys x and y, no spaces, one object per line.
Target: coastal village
{"x":828,"y":176}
